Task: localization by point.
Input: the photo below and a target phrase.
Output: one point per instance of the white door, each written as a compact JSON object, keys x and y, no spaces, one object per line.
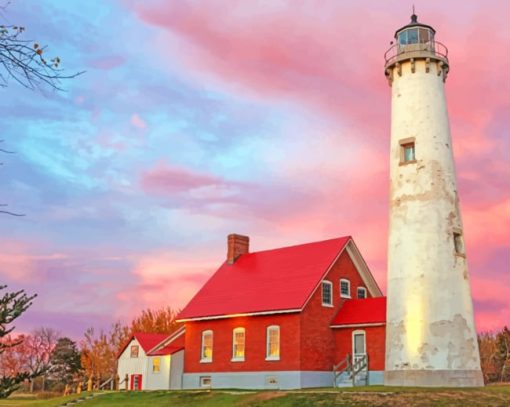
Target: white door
{"x":358,"y":345}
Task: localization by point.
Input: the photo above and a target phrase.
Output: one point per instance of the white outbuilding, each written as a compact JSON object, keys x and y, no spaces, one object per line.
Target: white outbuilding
{"x":151,"y":361}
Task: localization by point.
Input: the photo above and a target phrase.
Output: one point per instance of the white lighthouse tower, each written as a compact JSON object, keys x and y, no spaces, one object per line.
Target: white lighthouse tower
{"x":430,"y":332}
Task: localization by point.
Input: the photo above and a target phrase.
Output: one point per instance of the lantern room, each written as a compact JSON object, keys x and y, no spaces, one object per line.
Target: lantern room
{"x":413,"y":42}
{"x":415,"y":33}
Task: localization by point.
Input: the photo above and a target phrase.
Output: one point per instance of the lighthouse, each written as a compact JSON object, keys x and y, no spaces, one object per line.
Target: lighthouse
{"x":430,"y":333}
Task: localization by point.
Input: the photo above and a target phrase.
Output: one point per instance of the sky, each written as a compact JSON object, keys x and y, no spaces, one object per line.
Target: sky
{"x":196,"y":119}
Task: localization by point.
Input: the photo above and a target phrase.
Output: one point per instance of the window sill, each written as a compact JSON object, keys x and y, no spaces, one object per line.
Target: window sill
{"x":273,"y":358}
{"x":327,"y":305}
{"x":345,"y":296}
{"x":205,"y":360}
{"x":407,"y":162}
{"x":237,"y":360}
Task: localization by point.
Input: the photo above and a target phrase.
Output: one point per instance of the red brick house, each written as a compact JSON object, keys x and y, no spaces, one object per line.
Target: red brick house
{"x":283,"y":318}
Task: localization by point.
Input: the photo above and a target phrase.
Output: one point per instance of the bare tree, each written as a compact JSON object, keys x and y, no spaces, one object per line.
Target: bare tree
{"x":25,"y":61}
{"x":38,"y":346}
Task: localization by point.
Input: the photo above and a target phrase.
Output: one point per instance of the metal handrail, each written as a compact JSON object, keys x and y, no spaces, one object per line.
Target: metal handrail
{"x":435,"y":48}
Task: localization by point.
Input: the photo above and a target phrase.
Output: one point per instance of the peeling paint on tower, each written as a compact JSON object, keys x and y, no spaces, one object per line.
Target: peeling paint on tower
{"x":431,"y":336}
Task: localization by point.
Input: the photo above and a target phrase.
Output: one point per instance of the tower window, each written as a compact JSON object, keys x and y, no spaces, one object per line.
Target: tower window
{"x":407,"y":151}
{"x":458,"y":243}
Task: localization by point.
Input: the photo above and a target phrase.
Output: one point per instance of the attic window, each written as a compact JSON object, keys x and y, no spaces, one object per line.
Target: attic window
{"x":327,"y":293}
{"x":362,"y":292}
{"x":134,"y":351}
{"x":345,"y":288}
{"x":458,"y":243}
{"x":407,"y":151}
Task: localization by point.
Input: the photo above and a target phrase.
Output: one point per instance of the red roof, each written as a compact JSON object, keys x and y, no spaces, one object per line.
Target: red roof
{"x":174,"y":345}
{"x":167,"y":350}
{"x":365,"y":311}
{"x":146,"y":341}
{"x":271,"y":280}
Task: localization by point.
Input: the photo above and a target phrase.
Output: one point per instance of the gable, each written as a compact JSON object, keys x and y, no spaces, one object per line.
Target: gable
{"x":273,"y":281}
{"x":278,"y":280}
{"x":125,"y":351}
{"x":146,"y":341}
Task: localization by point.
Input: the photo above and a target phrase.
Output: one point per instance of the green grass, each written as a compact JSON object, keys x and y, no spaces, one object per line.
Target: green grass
{"x":15,"y":401}
{"x":359,"y":396}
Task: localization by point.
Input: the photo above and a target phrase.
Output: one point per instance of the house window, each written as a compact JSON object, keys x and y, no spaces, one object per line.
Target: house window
{"x":134,"y":351}
{"x":273,"y":343}
{"x":458,"y":243}
{"x":205,"y":381}
{"x":238,"y":341}
{"x":207,"y":347}
{"x":345,"y":288}
{"x":407,"y":151}
{"x":156,"y":365}
{"x":362,"y":292}
{"x":327,"y":293}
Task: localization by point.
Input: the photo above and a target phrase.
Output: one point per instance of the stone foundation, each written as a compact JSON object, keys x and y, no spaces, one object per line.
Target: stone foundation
{"x":434,"y":378}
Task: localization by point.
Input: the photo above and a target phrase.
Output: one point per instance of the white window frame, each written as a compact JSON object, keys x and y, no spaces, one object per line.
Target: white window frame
{"x":234,"y":332}
{"x":330,"y":293}
{"x":132,"y":353}
{"x":358,"y":332}
{"x":268,"y":329}
{"x":159,"y":365}
{"x":204,"y":379}
{"x":204,"y":359}
{"x":348,"y":295}
{"x":358,"y":290}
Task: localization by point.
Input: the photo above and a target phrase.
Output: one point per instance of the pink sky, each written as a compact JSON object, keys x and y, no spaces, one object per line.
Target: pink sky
{"x":198,"y":119}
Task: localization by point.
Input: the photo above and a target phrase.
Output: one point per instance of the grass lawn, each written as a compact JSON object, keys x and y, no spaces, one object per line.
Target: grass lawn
{"x":359,"y":396}
{"x":15,"y":401}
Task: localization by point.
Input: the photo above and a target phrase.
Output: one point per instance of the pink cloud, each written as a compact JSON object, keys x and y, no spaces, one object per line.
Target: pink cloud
{"x":165,"y":179}
{"x":107,"y":62}
{"x":165,"y":278}
{"x":138,"y":122}
{"x":20,"y":261}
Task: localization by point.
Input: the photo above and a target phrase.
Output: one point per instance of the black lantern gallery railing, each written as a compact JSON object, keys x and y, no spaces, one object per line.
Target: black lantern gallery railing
{"x":400,"y":52}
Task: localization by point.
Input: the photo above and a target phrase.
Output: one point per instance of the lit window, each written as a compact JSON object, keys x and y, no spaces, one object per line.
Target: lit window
{"x":238,"y":340}
{"x":362,"y":292}
{"x":345,"y":288}
{"x":458,"y":243}
{"x":156,"y":365}
{"x":134,"y":351}
{"x":207,"y":346}
{"x":327,"y":291}
{"x":273,"y":343}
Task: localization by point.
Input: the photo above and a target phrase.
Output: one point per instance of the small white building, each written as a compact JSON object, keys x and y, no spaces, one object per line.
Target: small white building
{"x":152,"y":361}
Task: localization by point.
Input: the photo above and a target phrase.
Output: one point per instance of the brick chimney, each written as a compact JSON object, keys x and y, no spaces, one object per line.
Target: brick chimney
{"x":236,"y":246}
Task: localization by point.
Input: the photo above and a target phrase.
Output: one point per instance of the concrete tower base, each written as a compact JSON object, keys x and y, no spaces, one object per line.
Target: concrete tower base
{"x":434,"y":378}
